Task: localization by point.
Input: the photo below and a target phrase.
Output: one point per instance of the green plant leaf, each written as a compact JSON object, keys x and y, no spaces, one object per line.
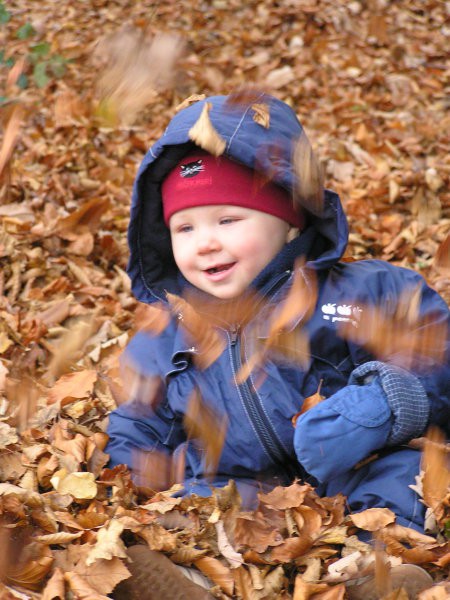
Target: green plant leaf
{"x":57,"y":64}
{"x":40,"y":50}
{"x":22,"y":81}
{"x":25,"y":32}
{"x":5,"y":15}
{"x":40,"y":74}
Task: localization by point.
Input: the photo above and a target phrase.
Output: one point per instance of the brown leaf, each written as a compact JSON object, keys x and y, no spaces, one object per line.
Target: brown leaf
{"x":108,"y":544}
{"x":87,"y":216}
{"x":309,"y":403}
{"x":291,"y":548}
{"x":304,"y":590}
{"x":254,"y":532}
{"x":373,"y":519}
{"x":281,"y":498}
{"x":75,"y":385}
{"x":207,"y":427}
{"x":55,"y":588}
{"x":81,"y":589}
{"x":30,"y":573}
{"x":81,"y":485}
{"x":204,"y":134}
{"x":442,"y":256}
{"x":216,"y":572}
{"x":103,"y":575}
{"x":244,"y":585}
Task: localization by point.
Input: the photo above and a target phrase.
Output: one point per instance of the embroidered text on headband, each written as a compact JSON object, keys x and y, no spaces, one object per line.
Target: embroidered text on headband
{"x":200,"y":179}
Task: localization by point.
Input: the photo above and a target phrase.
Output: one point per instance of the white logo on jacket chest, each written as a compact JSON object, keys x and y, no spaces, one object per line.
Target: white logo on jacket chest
{"x":342,"y":312}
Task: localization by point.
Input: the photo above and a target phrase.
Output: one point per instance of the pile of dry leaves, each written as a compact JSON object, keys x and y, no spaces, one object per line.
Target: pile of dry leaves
{"x":366,"y":79}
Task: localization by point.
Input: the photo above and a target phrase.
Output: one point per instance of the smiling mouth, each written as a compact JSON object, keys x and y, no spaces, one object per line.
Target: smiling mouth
{"x":219,"y":268}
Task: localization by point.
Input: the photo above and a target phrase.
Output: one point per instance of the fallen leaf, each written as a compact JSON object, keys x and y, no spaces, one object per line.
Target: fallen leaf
{"x":373,"y":519}
{"x":55,"y":587}
{"x":235,"y":559}
{"x":216,"y":572}
{"x":81,"y":589}
{"x":75,"y":385}
{"x":109,"y":544}
{"x":80,"y":485}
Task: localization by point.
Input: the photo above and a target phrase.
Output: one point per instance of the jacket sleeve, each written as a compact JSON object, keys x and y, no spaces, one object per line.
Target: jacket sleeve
{"x":145,"y":422}
{"x":384,"y":404}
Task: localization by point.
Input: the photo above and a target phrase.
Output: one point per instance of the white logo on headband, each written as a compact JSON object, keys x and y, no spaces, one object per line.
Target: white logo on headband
{"x":191,"y":169}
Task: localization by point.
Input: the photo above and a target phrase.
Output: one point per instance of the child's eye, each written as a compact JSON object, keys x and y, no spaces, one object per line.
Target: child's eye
{"x":184,"y":229}
{"x":228,"y":220}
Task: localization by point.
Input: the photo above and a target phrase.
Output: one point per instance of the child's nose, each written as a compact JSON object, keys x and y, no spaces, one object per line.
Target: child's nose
{"x":208,"y":243}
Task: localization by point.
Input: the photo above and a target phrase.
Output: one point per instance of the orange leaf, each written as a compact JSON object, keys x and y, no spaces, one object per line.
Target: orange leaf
{"x":205,"y":135}
{"x":208,"y":427}
{"x":88,"y":216}
{"x":373,"y":519}
{"x":216,"y":572}
{"x":11,"y":135}
{"x":74,"y":385}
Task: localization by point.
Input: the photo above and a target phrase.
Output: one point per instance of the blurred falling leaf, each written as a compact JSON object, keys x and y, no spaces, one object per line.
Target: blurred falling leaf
{"x":400,"y":336}
{"x":244,"y":95}
{"x":284,"y":335}
{"x":205,"y":135}
{"x":209,"y":344}
{"x":442,"y":257}
{"x":10,"y":136}
{"x":134,"y":67}
{"x":436,"y":477}
{"x":206,"y":426}
{"x":308,"y":177}
{"x":151,"y":317}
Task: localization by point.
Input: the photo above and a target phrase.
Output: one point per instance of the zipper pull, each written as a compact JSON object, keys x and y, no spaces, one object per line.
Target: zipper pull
{"x":234,"y":334}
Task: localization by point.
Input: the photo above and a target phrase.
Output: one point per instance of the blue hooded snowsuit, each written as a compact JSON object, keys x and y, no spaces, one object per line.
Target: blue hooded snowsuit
{"x":370,"y":405}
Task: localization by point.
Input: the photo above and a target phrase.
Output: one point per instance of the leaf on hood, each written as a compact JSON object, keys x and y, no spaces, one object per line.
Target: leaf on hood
{"x":217,"y":572}
{"x":308,"y":176}
{"x":80,"y":485}
{"x":74,"y":385}
{"x":373,"y":519}
{"x":81,"y":589}
{"x":188,"y":101}
{"x":208,"y":427}
{"x":55,"y":587}
{"x":11,"y":135}
{"x":205,"y":135}
{"x":436,"y":477}
{"x":87,"y":216}
{"x":261,"y":114}
{"x":108,"y":544}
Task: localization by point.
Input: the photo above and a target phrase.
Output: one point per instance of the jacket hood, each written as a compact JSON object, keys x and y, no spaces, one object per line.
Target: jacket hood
{"x":151,"y":267}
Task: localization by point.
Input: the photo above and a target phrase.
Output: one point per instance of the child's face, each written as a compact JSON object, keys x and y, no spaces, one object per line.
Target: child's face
{"x":221,"y":249}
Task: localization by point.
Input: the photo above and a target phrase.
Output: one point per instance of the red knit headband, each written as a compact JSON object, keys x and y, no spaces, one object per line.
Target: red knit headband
{"x":200,"y":179}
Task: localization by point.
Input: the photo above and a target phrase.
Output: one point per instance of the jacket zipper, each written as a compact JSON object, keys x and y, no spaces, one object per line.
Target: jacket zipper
{"x":257,"y":415}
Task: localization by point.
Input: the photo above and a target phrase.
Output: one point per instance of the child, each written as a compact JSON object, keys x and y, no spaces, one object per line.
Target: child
{"x":222,"y":228}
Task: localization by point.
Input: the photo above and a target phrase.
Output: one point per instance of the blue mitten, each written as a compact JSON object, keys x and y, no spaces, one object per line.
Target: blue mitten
{"x":342,"y":430}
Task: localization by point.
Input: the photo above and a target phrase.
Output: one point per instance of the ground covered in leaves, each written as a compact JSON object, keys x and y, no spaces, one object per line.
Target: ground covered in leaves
{"x":85,"y":88}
